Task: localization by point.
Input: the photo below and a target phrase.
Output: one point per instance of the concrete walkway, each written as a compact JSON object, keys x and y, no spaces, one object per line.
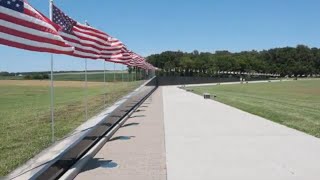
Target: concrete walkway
{"x":136,"y":151}
{"x":203,"y":139}
{"x":209,"y":140}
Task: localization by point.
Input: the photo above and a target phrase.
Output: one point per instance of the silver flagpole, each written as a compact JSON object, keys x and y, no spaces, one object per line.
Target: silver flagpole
{"x":122,"y":74}
{"x":105,"y":83}
{"x":86,"y":83}
{"x":52,"y":85}
{"x":139,"y":74}
{"x":86,"y":89}
{"x":52,"y":101}
{"x":131,"y":75}
{"x":114,"y":72}
{"x":135,"y":78}
{"x":132,"y":71}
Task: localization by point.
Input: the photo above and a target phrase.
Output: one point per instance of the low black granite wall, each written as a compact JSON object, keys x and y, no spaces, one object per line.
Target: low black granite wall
{"x":181,"y":80}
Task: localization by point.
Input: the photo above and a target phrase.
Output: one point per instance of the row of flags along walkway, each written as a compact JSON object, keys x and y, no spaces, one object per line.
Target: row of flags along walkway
{"x":22,"y":26}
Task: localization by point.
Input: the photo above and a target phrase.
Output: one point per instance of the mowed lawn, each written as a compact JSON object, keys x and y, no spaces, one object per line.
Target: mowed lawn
{"x":110,"y":76}
{"x":25,"y":114}
{"x":99,"y":76}
{"x":295,"y":104}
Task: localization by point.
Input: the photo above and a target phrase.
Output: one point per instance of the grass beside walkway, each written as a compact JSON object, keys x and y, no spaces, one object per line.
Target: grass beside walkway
{"x":295,"y":104}
{"x":25,"y":125}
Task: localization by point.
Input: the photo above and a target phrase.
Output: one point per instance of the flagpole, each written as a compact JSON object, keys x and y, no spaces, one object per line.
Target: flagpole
{"x":122,"y":74}
{"x":114,"y":72}
{"x":105,"y":83}
{"x":132,"y":71}
{"x":135,"y":78}
{"x":86,"y":83}
{"x":86,"y":88}
{"x":52,"y":100}
{"x":51,"y":84}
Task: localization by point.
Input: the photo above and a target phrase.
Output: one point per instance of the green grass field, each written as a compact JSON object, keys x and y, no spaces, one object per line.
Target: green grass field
{"x":25,"y":114}
{"x":97,"y":77}
{"x":295,"y":104}
{"x":11,"y":78}
{"x":92,"y":76}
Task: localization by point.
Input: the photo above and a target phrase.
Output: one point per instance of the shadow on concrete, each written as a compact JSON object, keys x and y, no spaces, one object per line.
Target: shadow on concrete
{"x":123,"y":138}
{"x":140,"y":110}
{"x":137,"y":116}
{"x":100,"y":163}
{"x":130,"y":124}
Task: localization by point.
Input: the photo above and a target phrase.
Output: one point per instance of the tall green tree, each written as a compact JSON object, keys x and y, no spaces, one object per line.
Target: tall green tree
{"x":292,"y":61}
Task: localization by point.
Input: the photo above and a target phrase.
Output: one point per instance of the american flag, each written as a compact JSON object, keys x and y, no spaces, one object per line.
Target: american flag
{"x":23,"y":27}
{"x":88,"y":41}
{"x":124,"y":58}
{"x":139,"y":61}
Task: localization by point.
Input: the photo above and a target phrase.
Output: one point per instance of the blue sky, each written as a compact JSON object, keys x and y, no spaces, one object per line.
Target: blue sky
{"x":149,"y":27}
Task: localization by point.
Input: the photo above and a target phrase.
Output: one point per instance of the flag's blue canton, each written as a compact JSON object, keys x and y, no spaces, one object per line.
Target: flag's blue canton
{"x":16,"y":5}
{"x":62,"y":19}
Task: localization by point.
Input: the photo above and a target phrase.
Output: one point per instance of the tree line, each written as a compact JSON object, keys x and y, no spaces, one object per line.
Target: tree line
{"x":291,"y":61}
{"x":28,"y":76}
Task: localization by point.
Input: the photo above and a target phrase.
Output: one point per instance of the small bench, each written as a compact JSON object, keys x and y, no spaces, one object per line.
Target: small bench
{"x":207,"y":96}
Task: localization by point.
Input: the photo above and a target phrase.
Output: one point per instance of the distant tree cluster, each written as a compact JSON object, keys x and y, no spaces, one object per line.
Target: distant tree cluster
{"x":36,"y":76}
{"x":4,"y":73}
{"x":291,"y":61}
{"x":28,"y":76}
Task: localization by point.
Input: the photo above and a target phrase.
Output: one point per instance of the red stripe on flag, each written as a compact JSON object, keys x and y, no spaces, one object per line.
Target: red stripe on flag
{"x":30,"y":36}
{"x":31,"y":48}
{"x":27,"y":24}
